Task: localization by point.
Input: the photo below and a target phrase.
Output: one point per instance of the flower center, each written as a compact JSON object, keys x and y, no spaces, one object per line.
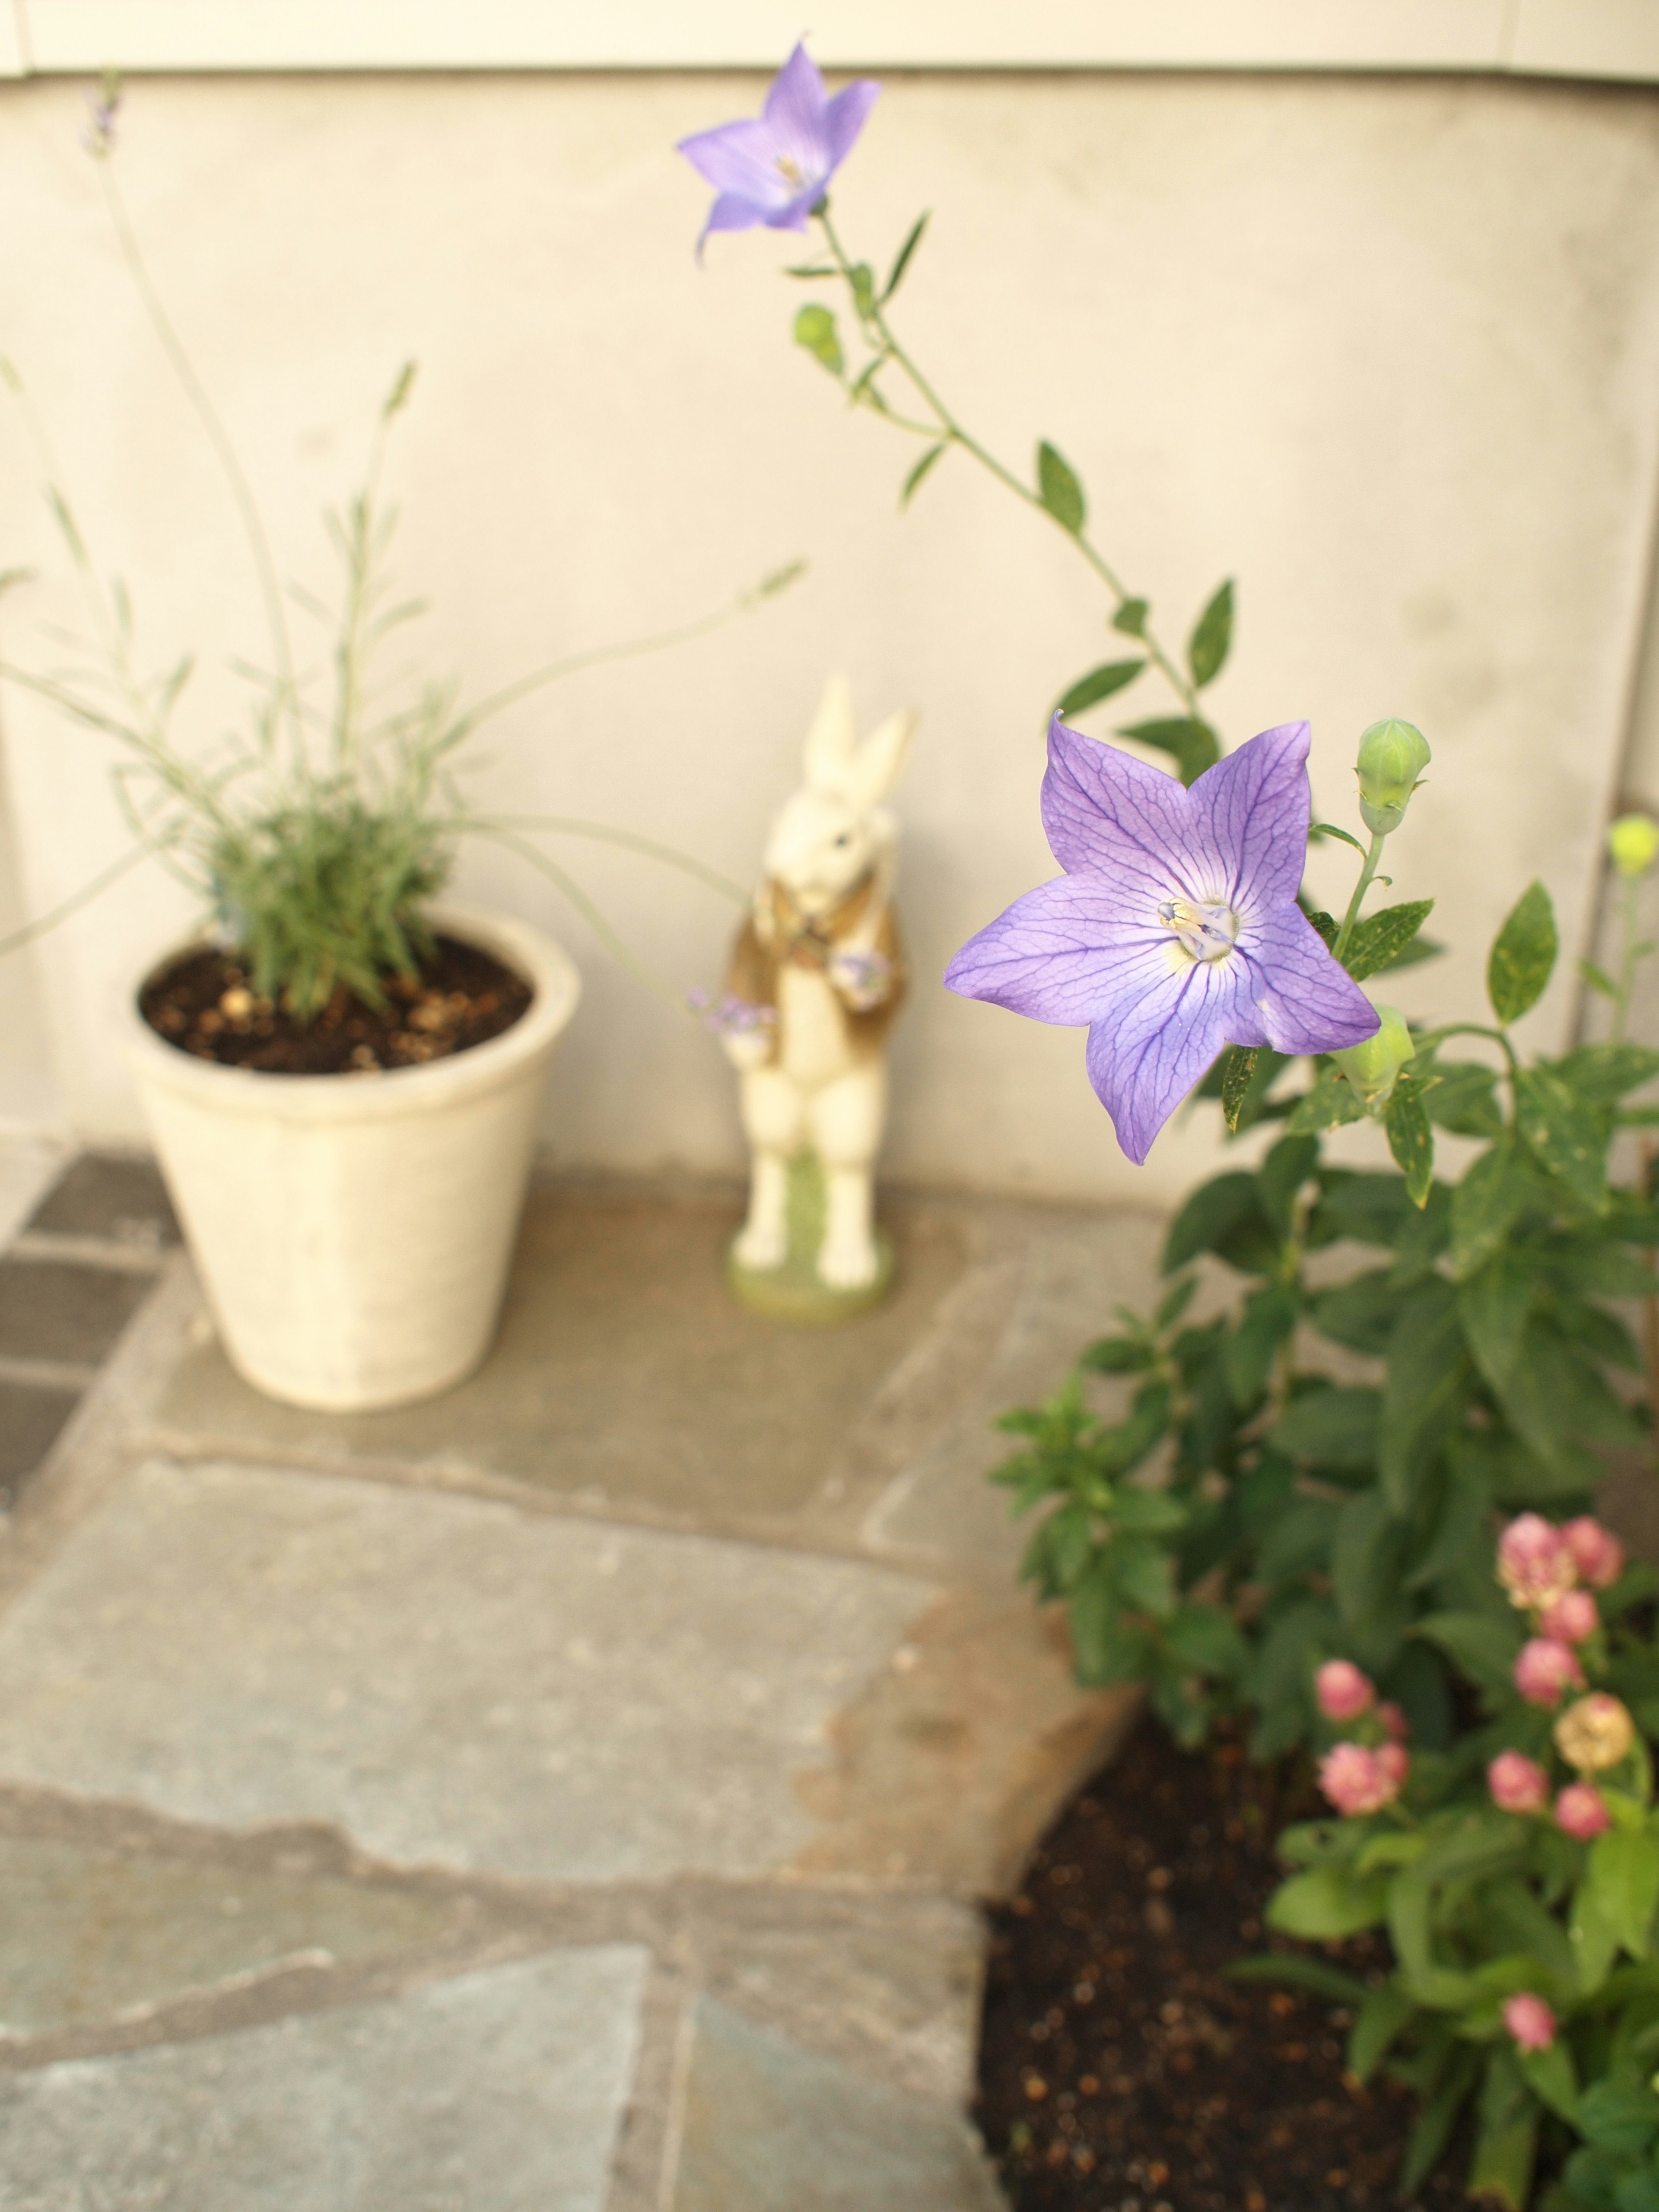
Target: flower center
{"x":1208,"y":933}
{"x":791,"y":169}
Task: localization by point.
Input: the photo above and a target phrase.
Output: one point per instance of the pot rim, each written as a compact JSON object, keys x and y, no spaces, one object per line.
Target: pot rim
{"x":378,"y":1094}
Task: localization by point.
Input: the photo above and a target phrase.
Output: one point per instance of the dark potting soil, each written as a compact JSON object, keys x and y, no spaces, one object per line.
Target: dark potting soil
{"x":205,"y":1004}
{"x":1119,"y":2069}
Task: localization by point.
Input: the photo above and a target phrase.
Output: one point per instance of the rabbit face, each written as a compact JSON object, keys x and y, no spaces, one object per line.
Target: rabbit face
{"x":821,"y":847}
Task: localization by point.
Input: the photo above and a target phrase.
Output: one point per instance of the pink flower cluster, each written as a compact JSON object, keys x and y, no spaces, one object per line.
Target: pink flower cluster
{"x":1530,"y":2021}
{"x":1519,"y":1784}
{"x":1357,"y":1777}
{"x":1543,"y":1568}
{"x":1359,"y":1780}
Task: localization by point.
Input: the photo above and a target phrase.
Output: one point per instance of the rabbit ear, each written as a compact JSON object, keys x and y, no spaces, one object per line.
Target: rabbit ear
{"x":832,"y":740}
{"x":877,"y":766}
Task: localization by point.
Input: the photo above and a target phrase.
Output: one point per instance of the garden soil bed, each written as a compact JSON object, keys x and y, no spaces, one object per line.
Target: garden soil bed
{"x":1119,"y":2069}
{"x":204,"y":1005}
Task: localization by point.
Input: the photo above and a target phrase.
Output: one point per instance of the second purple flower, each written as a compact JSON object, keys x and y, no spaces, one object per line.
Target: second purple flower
{"x":1175,"y":930}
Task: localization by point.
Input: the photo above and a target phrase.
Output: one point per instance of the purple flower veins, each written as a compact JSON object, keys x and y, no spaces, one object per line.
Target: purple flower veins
{"x":1175,"y":929}
{"x":775,"y":170}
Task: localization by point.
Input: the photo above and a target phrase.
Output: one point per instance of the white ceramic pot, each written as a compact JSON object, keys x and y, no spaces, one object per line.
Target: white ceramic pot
{"x":352,"y":1232}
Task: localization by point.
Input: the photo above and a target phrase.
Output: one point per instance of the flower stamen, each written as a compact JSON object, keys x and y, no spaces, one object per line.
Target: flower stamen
{"x":1208,"y":933}
{"x":788,"y":169}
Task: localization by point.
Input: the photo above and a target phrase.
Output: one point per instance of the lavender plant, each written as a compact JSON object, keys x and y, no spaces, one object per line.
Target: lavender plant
{"x":1297,"y":1520}
{"x":316,"y":840}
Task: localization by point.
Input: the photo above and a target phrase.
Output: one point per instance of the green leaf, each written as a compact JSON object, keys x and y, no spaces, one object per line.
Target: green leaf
{"x":1328,"y":1427}
{"x":1175,"y":1302}
{"x":1192,"y":743}
{"x":1131,"y":618}
{"x":1523,"y":957}
{"x":904,"y":261}
{"x":1501,"y":2168}
{"x":1292,"y":1970}
{"x":1331,"y":1103}
{"x":1494,"y":1193}
{"x":1598,"y":979}
{"x":1120,"y":1355}
{"x":1437,"y":2120}
{"x":1099,"y":684}
{"x":1059,"y":491}
{"x":1411,"y":1137}
{"x":913,"y":483}
{"x":1105,"y":1648}
{"x":1378,"y":2022}
{"x":1367,"y":1559}
{"x":1326,"y":1903}
{"x":815,"y":329}
{"x":862,"y":278}
{"x":1143,"y":1574}
{"x":1482,"y":1644}
{"x":1360,"y":1314}
{"x":1563,"y":1133}
{"x":1624,"y":1873}
{"x":1463,"y":1099}
{"x":1493,"y":1307}
{"x":1617,"y":2118}
{"x":1319,"y":829}
{"x":1247,"y":1354}
{"x":1551,"y":2076}
{"x":1236,"y":1072}
{"x":1379,"y":940}
{"x":1214,"y":1208}
{"x":1604,"y":1073}
{"x":813,"y":269}
{"x":1142,"y":1512}
{"x":1325,"y":926}
{"x":1211,"y":637}
{"x":1429,"y":1373}
{"x":1207,"y":1640}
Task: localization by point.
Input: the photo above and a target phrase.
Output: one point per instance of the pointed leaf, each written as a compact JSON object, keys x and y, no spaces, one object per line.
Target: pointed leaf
{"x":913,"y":483}
{"x":904,"y":261}
{"x":1131,"y":618}
{"x":1099,"y":684}
{"x":1564,"y":1133}
{"x":1381,"y":939}
{"x":1411,"y":1137}
{"x":1486,"y":1204}
{"x":1192,"y":743}
{"x":1211,"y":637}
{"x":1237,"y":1072}
{"x":1523,"y":957}
{"x":1059,"y":491}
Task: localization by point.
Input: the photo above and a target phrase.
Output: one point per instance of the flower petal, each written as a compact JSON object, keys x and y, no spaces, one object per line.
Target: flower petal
{"x":794,"y":117}
{"x":1307,"y":1003}
{"x":846,"y":116}
{"x":1146,"y":1052}
{"x":1063,"y":953}
{"x":741,"y":159}
{"x":1105,"y":811}
{"x":1253,"y":808}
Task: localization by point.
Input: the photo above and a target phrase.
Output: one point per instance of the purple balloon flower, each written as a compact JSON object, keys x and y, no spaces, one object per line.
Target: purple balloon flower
{"x":775,"y":171}
{"x":1175,"y":929}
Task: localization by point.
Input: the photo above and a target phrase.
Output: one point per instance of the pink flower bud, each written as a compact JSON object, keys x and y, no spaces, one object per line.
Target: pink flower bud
{"x":1395,"y":1726}
{"x":1580,"y":1812}
{"x":1545,"y":1669}
{"x":1342,"y":1691}
{"x":1530,"y":2021}
{"x":1357,"y":1781}
{"x":1518,"y":1785}
{"x":1535,"y":1562}
{"x":1393,"y":1763}
{"x":1572,"y":1617}
{"x":1597,"y":1553}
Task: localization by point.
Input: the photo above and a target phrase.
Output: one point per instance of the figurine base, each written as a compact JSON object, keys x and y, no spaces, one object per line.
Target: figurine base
{"x":793,"y":1292}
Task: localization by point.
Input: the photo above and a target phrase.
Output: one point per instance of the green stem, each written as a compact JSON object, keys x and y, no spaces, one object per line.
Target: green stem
{"x":1432,"y":1037}
{"x":566,"y":825}
{"x":950,"y":431}
{"x":1378,"y":839}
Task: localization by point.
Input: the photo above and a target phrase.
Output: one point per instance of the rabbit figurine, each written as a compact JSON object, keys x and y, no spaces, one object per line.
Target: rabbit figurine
{"x":815,"y":978}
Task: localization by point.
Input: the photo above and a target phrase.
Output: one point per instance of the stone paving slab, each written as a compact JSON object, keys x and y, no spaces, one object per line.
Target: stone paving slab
{"x":29,"y":1166}
{"x":88,"y":1935}
{"x":59,"y":1310}
{"x":768,"y":2127}
{"x":447,"y":1679}
{"x":501,"y":2091}
{"x":114,"y":1197}
{"x":625,"y":1372}
{"x":1066,"y":1280}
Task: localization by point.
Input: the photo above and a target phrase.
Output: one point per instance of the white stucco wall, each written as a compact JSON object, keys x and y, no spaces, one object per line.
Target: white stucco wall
{"x":1386,"y":350}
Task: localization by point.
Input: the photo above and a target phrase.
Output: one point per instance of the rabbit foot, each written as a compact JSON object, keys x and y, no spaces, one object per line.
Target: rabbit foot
{"x":761,"y":1250}
{"x":848,"y":1266}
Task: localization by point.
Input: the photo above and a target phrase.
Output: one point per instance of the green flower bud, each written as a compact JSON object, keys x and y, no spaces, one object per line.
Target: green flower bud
{"x":1633,"y":839}
{"x":1392,"y":756}
{"x":1372,"y":1066}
